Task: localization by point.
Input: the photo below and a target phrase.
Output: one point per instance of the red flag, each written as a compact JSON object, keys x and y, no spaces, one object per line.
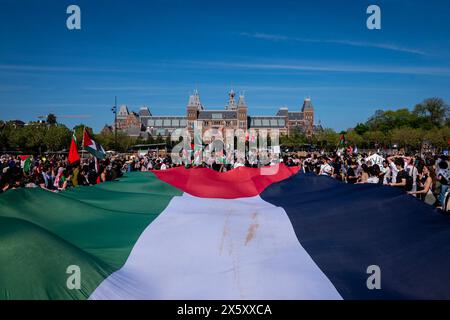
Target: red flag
{"x":73,"y":152}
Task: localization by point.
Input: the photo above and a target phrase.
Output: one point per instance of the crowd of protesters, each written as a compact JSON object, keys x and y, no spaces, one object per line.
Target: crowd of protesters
{"x":426,"y":176}
{"x":54,"y":173}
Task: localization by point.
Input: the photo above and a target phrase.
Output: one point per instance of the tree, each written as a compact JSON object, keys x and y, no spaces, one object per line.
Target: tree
{"x":295,"y":138}
{"x":150,"y":139}
{"x":433,"y":109}
{"x":374,"y":138}
{"x":284,"y":140}
{"x":3,"y":138}
{"x":107,"y":140}
{"x":354,"y":138}
{"x":34,"y":133}
{"x":168,"y":142}
{"x":375,"y":121}
{"x":391,"y":119}
{"x":124,"y":142}
{"x":57,"y":138}
{"x":327,"y":138}
{"x":51,"y":119}
{"x":79,"y":132}
{"x":15,"y":137}
{"x":139,"y":140}
{"x":361,"y":128}
{"x":408,"y":138}
{"x":437,"y":137}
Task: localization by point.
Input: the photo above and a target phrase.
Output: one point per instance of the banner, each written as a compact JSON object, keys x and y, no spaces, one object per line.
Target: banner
{"x":375,"y":159}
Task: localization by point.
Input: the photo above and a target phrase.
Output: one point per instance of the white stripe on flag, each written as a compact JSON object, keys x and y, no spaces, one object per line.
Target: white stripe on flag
{"x":201,"y":248}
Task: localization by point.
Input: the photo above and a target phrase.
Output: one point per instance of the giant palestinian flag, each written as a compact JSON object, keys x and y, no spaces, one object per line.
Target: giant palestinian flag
{"x":200,"y":234}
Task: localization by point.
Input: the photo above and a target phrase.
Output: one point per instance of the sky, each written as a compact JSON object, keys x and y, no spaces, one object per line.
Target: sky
{"x":156,"y":52}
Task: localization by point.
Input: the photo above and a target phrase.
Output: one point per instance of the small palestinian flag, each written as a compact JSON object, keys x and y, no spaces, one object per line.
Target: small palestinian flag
{"x":93,"y":146}
{"x":25,"y":163}
{"x":342,"y":140}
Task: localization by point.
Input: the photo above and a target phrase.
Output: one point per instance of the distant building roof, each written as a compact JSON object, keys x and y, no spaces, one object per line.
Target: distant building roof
{"x":267,"y":122}
{"x":144,"y":112}
{"x":123,"y":112}
{"x":194,"y":101}
{"x":168,"y":117}
{"x":307,"y":105}
{"x":107,"y":129}
{"x":295,"y":116}
{"x":283,"y":112}
{"x":231,"y":101}
{"x":217,"y":115}
{"x":241,"y":102}
{"x":166,"y":122}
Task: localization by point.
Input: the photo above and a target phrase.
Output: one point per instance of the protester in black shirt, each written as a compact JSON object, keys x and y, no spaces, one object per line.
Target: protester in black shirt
{"x":403,"y":180}
{"x":351,"y":175}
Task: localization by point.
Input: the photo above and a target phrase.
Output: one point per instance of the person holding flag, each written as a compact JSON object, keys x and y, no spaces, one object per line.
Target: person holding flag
{"x":74,"y":159}
{"x":96,"y":149}
{"x":25,"y":163}
{"x":342,"y":139}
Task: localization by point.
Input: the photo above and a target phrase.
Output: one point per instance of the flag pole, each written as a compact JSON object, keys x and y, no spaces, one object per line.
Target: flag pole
{"x":115,"y":123}
{"x":82,"y":143}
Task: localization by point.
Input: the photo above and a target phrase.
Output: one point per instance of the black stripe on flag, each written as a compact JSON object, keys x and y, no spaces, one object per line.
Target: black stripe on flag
{"x":347,"y":228}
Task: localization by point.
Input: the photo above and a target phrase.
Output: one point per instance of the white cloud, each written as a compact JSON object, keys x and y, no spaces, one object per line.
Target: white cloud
{"x":386,"y":46}
{"x":328,"y":67}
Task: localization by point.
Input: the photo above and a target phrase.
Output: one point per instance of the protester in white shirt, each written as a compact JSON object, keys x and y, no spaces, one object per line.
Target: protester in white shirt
{"x":413,"y":172}
{"x":326,"y":168}
{"x":393,"y":169}
{"x":239,"y":163}
{"x":386,"y":171}
{"x":374,"y":172}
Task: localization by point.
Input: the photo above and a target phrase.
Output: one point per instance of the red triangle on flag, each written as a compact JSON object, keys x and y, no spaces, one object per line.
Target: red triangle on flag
{"x":23,"y":158}
{"x":86,"y":139}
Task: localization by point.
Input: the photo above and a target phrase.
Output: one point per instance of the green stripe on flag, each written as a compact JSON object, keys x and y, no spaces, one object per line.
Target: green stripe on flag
{"x":95,"y":228}
{"x":27,"y":165}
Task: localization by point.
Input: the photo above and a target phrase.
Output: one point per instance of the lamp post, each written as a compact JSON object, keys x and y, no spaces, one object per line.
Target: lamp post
{"x":114,"y":110}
